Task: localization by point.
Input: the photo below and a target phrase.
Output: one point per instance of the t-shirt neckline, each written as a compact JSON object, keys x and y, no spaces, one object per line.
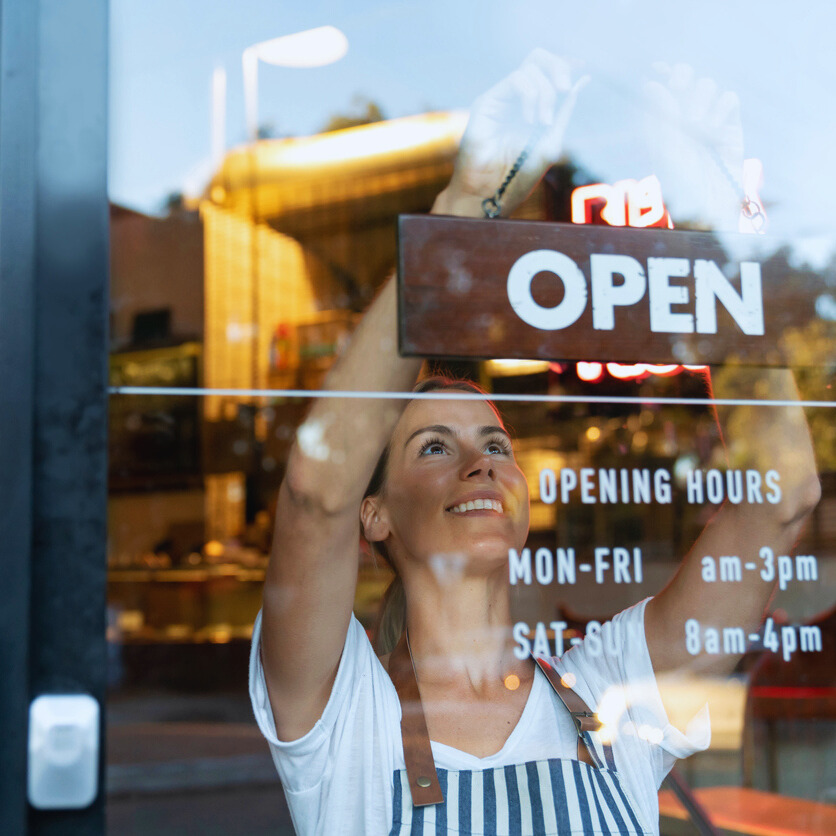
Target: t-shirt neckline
{"x":468,"y":761}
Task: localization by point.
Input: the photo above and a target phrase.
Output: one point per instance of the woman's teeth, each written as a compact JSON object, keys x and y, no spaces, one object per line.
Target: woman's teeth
{"x":478,"y":505}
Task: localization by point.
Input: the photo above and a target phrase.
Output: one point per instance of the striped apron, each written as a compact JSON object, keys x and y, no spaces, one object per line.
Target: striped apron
{"x":554,"y":797}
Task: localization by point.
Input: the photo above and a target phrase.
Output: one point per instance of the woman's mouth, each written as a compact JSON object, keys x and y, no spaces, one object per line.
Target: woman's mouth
{"x":477,"y":505}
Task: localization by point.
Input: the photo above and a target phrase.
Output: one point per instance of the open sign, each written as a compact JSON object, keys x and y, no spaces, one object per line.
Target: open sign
{"x":710,"y":287}
{"x":475,"y":289}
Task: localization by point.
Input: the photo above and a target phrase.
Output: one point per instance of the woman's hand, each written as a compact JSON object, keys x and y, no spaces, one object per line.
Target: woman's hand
{"x":530,"y":108}
{"x":696,"y":136}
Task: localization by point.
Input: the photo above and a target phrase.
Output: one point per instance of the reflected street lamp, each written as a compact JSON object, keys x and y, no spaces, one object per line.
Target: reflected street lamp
{"x":311,"y":48}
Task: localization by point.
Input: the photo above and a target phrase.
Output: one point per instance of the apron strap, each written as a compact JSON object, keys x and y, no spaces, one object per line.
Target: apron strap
{"x":585,"y":721}
{"x":420,"y":766}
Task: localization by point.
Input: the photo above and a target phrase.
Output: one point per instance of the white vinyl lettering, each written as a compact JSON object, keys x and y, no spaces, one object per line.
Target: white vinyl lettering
{"x":746,"y":307}
{"x":606,"y":295}
{"x":663,"y":295}
{"x":711,"y":286}
{"x":563,"y":314}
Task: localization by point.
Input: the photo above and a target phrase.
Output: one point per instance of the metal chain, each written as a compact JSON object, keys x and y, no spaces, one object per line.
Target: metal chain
{"x":491,"y":206}
{"x":748,"y":207}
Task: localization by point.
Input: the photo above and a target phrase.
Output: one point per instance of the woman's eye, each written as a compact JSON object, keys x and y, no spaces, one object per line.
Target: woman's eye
{"x":433,"y":448}
{"x":497,"y":447}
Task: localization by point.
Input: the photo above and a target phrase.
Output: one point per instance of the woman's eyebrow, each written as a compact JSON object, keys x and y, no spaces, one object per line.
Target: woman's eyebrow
{"x":488,"y":429}
{"x":432,"y":428}
{"x":491,"y":429}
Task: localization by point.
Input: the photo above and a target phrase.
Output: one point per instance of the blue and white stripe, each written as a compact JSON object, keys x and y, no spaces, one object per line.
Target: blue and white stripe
{"x":556,"y":797}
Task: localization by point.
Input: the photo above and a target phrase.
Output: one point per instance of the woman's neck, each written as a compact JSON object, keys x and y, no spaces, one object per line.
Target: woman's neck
{"x":460,"y":631}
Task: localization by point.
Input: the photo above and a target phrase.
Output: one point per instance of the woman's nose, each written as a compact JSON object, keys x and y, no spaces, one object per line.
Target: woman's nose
{"x":479,"y":464}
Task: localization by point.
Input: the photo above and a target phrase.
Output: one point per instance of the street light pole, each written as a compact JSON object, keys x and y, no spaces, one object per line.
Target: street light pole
{"x":310,"y":48}
{"x":218,"y":117}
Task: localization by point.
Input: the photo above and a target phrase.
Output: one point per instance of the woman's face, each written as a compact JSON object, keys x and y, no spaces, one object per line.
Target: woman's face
{"x":452,"y":487}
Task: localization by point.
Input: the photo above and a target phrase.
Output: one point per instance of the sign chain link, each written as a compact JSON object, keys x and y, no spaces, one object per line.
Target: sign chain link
{"x":492,"y":206}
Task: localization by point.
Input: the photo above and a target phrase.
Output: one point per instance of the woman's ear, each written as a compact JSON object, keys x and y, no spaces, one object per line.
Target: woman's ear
{"x":375,"y":526}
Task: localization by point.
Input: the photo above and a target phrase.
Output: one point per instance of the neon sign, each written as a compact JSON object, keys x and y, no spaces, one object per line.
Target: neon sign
{"x":593,"y":372}
{"x":636,"y":203}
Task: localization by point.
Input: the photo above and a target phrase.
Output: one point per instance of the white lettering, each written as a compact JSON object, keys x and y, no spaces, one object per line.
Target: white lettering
{"x":641,"y":485}
{"x":621,"y":565}
{"x":693,"y":480}
{"x":548,"y":486}
{"x":568,"y":482}
{"x":714,"y":486}
{"x":746,"y":307}
{"x":544,"y":566}
{"x":558,"y":627}
{"x":608,"y":485}
{"x":519,"y":566}
{"x":662,"y":486}
{"x":606,"y":294}
{"x":520,"y":632}
{"x":567,"y":311}
{"x":566,"y":566}
{"x":601,"y":564}
{"x":663,"y":295}
{"x":753,"y":487}
{"x":772,"y":478}
{"x":587,"y":485}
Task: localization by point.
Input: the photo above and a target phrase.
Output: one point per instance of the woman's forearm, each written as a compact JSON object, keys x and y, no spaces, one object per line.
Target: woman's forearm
{"x":756,"y":438}
{"x":341,"y":440}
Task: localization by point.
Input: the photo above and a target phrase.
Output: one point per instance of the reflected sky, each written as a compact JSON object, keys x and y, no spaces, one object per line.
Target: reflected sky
{"x":409,"y":57}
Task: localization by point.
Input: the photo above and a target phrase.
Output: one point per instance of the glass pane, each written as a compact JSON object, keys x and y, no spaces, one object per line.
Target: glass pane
{"x":256,"y":189}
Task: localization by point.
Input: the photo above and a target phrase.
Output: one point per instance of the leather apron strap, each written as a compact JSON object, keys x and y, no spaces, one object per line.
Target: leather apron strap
{"x":584,"y":719}
{"x":420,"y":767}
{"x":417,"y":751}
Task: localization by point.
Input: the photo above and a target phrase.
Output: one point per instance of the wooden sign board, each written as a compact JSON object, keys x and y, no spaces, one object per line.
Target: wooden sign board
{"x":534,"y":290}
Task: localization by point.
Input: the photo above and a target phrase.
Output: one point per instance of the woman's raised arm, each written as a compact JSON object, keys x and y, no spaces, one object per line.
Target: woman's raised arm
{"x":311,"y":579}
{"x":774,"y":444}
{"x":702,"y":150}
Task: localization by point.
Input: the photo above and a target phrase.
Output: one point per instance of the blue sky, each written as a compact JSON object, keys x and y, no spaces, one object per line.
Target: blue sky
{"x":413,"y":56}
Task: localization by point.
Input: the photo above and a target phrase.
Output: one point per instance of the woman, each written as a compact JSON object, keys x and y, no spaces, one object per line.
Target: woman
{"x":448,"y":502}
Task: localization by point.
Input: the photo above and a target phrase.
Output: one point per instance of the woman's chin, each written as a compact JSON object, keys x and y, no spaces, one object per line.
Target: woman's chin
{"x":489,"y":552}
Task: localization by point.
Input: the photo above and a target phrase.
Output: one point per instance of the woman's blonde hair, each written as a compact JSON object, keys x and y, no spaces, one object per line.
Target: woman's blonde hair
{"x":391,"y":619}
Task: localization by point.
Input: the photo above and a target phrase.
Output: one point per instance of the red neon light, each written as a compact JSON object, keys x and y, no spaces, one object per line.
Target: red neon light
{"x":636,"y":203}
{"x":594,"y":372}
{"x":591,"y":372}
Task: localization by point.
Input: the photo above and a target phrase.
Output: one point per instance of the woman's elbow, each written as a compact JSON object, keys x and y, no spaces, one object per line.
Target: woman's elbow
{"x":800,"y":501}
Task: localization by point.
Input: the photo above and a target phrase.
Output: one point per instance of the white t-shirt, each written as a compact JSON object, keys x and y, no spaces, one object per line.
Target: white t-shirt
{"x":338,"y":778}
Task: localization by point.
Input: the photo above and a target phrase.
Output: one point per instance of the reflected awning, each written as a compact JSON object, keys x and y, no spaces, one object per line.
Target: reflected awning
{"x":369,"y":171}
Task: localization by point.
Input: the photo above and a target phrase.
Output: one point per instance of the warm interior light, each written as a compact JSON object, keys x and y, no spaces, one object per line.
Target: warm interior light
{"x":505,"y":368}
{"x":311,"y":48}
{"x":369,"y":140}
{"x":593,"y":433}
{"x":512,"y":682}
{"x":213,"y":548}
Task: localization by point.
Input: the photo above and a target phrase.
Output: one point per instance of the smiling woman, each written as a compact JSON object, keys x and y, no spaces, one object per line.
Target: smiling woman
{"x":452,"y":457}
{"x":452,"y":730}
